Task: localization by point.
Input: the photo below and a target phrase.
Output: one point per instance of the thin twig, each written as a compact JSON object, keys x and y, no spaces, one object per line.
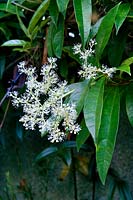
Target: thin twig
{"x":45,"y":49}
{"x":21,"y":6}
{"x":4,"y":117}
{"x":14,"y":82}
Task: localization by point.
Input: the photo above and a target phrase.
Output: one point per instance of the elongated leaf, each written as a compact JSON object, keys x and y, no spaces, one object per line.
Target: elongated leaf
{"x":14,"y":43}
{"x":68,"y":144}
{"x":10,"y":9}
{"x":3,"y":14}
{"x":104,"y":31}
{"x":51,"y":31}
{"x":5,"y":31}
{"x":46,"y":152}
{"x":58,"y":39}
{"x":108,"y":131}
{"x":69,"y":50}
{"x":125,"y":65}
{"x":125,"y":68}
{"x":38,"y":14}
{"x":116,"y":48}
{"x":19,"y":131}
{"x":65,"y":154}
{"x":78,"y":96}
{"x":122,"y":13}
{"x":129,"y":103}
{"x":82,"y":136}
{"x":83,"y":12}
{"x":95,"y":27}
{"x":23,"y":27}
{"x":93,"y":107}
{"x":62,"y":5}
{"x":54,"y":11}
{"x":2,"y":65}
{"x":128,"y":61}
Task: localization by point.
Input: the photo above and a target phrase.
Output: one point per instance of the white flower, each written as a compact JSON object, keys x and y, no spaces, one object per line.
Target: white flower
{"x":43,"y":105}
{"x":89,"y":71}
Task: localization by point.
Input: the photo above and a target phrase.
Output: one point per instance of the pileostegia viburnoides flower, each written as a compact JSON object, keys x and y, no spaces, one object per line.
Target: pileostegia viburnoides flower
{"x":87,"y":69}
{"x":43,"y":103}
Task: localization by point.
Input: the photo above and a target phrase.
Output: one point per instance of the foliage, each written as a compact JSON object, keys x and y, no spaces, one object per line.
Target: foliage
{"x":51,"y":28}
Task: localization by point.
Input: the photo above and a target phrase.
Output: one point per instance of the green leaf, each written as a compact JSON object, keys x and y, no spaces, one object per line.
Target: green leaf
{"x":14,"y":43}
{"x":125,"y":65}
{"x":116,"y":48}
{"x":129,"y":103}
{"x":38,"y":14}
{"x":5,"y":30}
{"x":2,"y":65}
{"x":69,"y":50}
{"x":108,"y":131}
{"x":54,"y":12}
{"x":62,"y":5}
{"x":3,"y":14}
{"x":68,"y":144}
{"x":104,"y":31}
{"x":78,"y":95}
{"x":93,"y":107}
{"x":83,"y":12}
{"x":124,"y":68}
{"x":51,"y":31}
{"x":23,"y":27}
{"x":95,"y":27}
{"x":19,"y":131}
{"x":82,"y":136}
{"x":65,"y":154}
{"x":122,"y":13}
{"x":10,"y":9}
{"x":46,"y":152}
{"x":128,"y":61}
{"x":58,"y":39}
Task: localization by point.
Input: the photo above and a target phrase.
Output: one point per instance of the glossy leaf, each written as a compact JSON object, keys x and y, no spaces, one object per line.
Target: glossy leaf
{"x":93,"y":107}
{"x":105,"y":30}
{"x":124,"y":68}
{"x":38,"y":14}
{"x":68,"y":144}
{"x":15,"y":43}
{"x":78,"y":95}
{"x":122,"y":13}
{"x":108,"y":131}
{"x":58,"y":39}
{"x":54,"y":11}
{"x":10,"y":9}
{"x":95,"y":27}
{"x":5,"y":31}
{"x":129,"y":103}
{"x":2,"y":65}
{"x":23,"y":27}
{"x":19,"y":131}
{"x":3,"y":14}
{"x":125,"y":65}
{"x":83,"y":12}
{"x":116,"y":48}
{"x":65,"y":155}
{"x":62,"y":5}
{"x":46,"y":152}
{"x":82,"y":136}
{"x":128,"y":61}
{"x":50,"y":35}
{"x":69,"y":50}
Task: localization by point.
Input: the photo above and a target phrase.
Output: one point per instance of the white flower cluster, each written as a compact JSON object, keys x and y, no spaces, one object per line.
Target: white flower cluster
{"x":88,"y":70}
{"x":43,"y":103}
